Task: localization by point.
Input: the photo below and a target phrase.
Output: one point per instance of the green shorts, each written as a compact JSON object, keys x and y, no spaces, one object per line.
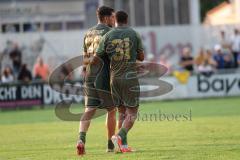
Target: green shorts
{"x":90,"y":95}
{"x":97,"y":90}
{"x":125,"y":92}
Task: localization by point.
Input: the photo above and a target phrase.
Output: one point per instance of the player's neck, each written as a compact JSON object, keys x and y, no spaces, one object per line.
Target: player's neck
{"x":103,"y":23}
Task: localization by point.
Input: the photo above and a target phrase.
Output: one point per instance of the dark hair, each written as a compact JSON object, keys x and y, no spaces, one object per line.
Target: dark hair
{"x":236,"y":31}
{"x":24,"y":66}
{"x":104,"y":11}
{"x":7,"y":71}
{"x":121,"y":17}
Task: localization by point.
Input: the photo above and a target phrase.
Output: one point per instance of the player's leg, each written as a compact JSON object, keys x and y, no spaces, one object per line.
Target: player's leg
{"x":102,"y":84}
{"x":121,"y":116}
{"x":111,"y":126}
{"x":131,"y":116}
{"x":130,"y":99}
{"x":83,"y":128}
{"x":91,"y":104}
{"x":85,"y":121}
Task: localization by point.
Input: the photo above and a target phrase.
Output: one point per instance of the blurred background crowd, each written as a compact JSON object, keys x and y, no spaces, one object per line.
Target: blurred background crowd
{"x":13,"y":68}
{"x":225,"y":54}
{"x":221,"y":57}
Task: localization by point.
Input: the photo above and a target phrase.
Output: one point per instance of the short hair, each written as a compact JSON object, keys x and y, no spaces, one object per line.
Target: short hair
{"x":121,"y":17}
{"x":104,"y":11}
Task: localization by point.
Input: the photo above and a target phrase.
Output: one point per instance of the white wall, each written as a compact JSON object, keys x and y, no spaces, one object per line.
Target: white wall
{"x":46,"y":7}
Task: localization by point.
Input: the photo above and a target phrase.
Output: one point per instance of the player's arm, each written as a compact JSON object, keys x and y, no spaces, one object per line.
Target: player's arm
{"x":99,"y":52}
{"x":140,"y":50}
{"x":86,"y":59}
{"x":95,"y":60}
{"x":140,"y":56}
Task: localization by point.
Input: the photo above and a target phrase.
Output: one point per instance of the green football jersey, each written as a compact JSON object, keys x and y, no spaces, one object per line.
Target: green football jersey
{"x":91,"y":42}
{"x":121,"y":45}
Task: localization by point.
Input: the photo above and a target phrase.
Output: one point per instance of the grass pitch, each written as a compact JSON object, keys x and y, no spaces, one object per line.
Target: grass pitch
{"x":211,"y":131}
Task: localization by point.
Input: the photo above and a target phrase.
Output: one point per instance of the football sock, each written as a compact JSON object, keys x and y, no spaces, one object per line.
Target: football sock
{"x":123,"y":134}
{"x":124,"y":141}
{"x":82,"y":137}
{"x":110,"y":144}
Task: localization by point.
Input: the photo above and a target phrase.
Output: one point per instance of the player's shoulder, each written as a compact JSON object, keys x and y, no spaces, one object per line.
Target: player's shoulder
{"x":89,"y":31}
{"x":110,"y":32}
{"x":103,"y":27}
{"x":92,"y":28}
{"x":134,"y":31}
{"x":98,"y":29}
{"x":130,"y":30}
{"x":107,"y":29}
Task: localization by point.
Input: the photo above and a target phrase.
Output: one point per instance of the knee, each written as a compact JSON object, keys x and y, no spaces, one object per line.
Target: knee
{"x":88,"y":114}
{"x":90,"y":111}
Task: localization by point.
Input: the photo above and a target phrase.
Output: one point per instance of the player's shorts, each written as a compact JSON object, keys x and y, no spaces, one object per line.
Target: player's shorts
{"x":90,"y":95}
{"x":125,"y":92}
{"x":97,"y":90}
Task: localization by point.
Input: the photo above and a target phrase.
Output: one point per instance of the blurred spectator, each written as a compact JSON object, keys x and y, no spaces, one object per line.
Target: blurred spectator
{"x":7,"y":75}
{"x":225,"y":43}
{"x":201,"y":57}
{"x":205,"y":68}
{"x":210,"y":58}
{"x":224,"y":61}
{"x":219,"y":57}
{"x":228,"y":63}
{"x":239,"y":59}
{"x":41,"y":70}
{"x":16,"y":57}
{"x":236,"y":47}
{"x":24,"y":74}
{"x":186,"y":61}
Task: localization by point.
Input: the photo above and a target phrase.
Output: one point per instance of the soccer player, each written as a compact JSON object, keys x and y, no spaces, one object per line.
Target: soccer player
{"x":124,"y":47}
{"x":106,"y":20}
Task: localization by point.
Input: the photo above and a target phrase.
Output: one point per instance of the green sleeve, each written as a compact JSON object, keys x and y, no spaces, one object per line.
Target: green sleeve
{"x":139,"y":43}
{"x":101,"y":47}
